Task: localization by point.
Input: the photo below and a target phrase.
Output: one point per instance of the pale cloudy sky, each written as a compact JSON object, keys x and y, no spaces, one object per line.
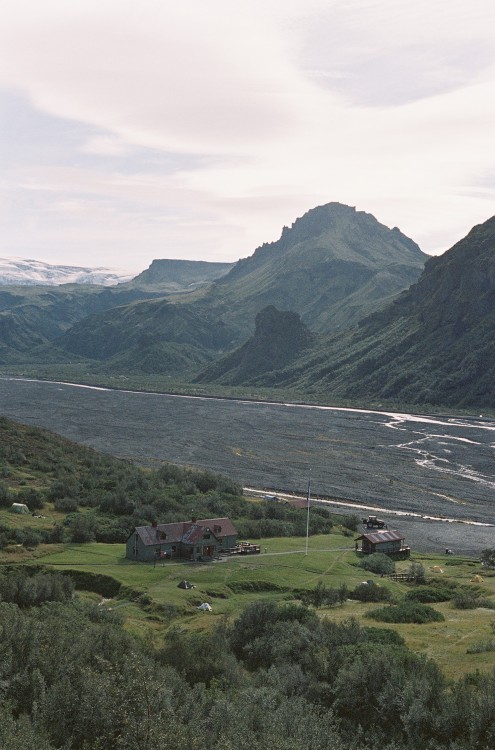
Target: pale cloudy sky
{"x":140,"y":129}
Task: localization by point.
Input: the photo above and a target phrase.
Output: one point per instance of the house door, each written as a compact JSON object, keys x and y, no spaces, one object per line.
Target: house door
{"x":209,"y":550}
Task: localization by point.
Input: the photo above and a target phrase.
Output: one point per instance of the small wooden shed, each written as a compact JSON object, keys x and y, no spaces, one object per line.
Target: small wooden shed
{"x":387,"y":541}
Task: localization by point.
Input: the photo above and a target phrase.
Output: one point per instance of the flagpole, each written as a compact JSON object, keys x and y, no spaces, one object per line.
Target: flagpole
{"x":307,"y":516}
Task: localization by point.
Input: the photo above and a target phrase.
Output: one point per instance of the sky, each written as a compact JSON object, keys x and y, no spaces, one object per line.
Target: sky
{"x":139,"y":129}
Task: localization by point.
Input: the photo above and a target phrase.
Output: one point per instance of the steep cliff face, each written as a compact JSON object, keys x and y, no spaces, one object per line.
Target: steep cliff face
{"x":459,"y":286}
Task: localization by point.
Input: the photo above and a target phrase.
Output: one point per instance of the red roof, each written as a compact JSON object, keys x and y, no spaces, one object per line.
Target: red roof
{"x":375,"y":537}
{"x":188,"y":532}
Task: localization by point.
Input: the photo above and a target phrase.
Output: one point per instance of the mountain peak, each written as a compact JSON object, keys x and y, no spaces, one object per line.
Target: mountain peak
{"x":332,"y":266}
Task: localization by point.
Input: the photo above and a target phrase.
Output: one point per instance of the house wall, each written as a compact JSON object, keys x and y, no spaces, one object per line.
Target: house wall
{"x":385,"y":547}
{"x":136,"y":550}
{"x":195,"y":551}
{"x":228,"y":542}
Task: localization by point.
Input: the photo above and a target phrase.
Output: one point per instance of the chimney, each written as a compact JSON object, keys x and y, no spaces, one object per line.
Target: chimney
{"x":194,"y":519}
{"x":154,"y":524}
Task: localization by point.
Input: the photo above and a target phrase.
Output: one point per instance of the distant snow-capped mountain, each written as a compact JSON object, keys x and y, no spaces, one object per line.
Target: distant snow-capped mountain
{"x":24,"y":272}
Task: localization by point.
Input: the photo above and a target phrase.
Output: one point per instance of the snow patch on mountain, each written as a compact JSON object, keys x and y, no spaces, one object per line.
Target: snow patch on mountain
{"x":26,"y":272}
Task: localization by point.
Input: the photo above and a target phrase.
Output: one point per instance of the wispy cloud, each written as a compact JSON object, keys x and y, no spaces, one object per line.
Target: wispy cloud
{"x":199,"y":129}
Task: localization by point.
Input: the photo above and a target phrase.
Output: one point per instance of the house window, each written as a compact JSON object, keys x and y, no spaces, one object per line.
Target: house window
{"x":206,"y":536}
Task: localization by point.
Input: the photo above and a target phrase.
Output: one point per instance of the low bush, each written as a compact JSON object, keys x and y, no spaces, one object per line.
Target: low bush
{"x":66,"y":504}
{"x":241,"y":586}
{"x":371,"y":592}
{"x":321,"y":596}
{"x":386,"y":636}
{"x":471,"y":600}
{"x":101,"y":584}
{"x":26,"y":590}
{"x":378,"y":563}
{"x":429,"y":594}
{"x":481,"y":647}
{"x":407,"y":612}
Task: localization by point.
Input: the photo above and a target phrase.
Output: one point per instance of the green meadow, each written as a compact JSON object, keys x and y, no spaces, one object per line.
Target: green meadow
{"x":151,"y":602}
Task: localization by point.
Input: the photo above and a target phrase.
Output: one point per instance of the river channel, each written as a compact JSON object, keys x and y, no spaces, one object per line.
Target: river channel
{"x":413,"y":468}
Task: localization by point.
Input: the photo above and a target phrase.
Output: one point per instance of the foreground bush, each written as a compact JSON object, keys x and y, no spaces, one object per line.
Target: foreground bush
{"x":25,"y":590}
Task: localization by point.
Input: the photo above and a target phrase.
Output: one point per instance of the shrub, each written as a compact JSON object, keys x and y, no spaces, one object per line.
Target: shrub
{"x":66,"y":504}
{"x":417,"y":572}
{"x":351,"y":522}
{"x":32,"y":498}
{"x":387,"y":636}
{"x":101,"y":584}
{"x":481,"y":647}
{"x":370,"y":592}
{"x":429,"y":594}
{"x":488,"y":558}
{"x":406,"y":612}
{"x":26,"y":590}
{"x":471,"y":600}
{"x":378,"y":563}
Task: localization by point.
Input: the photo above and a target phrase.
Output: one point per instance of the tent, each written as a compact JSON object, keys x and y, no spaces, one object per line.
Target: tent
{"x":19,"y":508}
{"x":185,"y":585}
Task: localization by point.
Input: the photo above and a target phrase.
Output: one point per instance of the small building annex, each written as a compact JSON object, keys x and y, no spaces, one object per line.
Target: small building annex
{"x":187,"y":540}
{"x":387,"y":541}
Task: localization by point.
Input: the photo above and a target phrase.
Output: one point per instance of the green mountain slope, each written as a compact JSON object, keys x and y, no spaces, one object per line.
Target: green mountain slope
{"x":333,"y":266}
{"x":435,"y":345}
{"x":34,"y":316}
{"x":151,"y":336}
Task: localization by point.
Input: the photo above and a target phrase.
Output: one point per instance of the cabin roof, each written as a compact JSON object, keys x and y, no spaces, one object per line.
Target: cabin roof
{"x":385,"y":535}
{"x":187,"y":532}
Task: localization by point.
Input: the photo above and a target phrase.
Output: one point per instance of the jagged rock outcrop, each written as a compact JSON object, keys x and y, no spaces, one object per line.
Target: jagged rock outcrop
{"x":279,"y":338}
